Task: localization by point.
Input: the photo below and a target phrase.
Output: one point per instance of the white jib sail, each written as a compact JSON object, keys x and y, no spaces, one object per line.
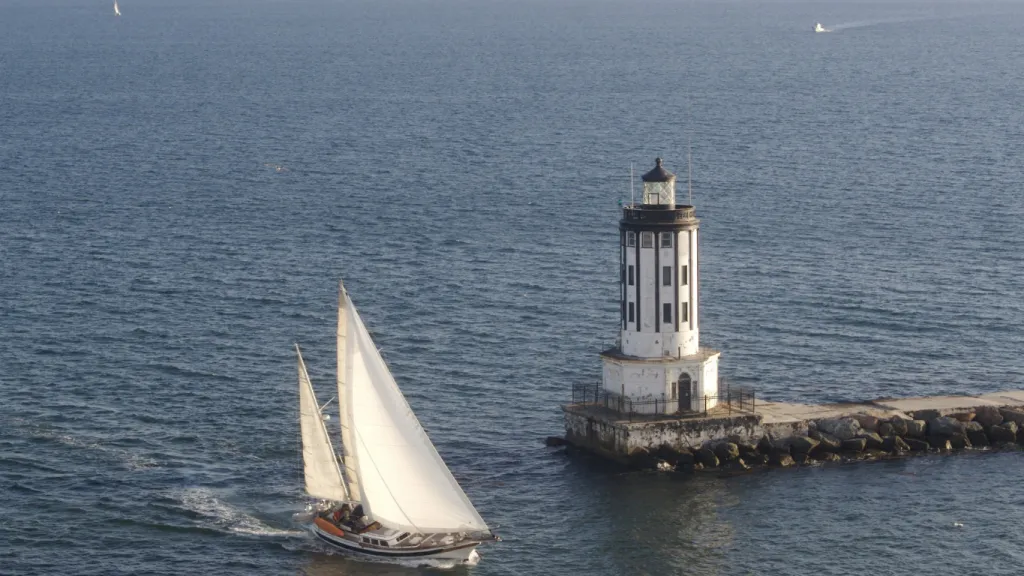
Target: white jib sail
{"x":405,"y":484}
{"x":323,"y":478}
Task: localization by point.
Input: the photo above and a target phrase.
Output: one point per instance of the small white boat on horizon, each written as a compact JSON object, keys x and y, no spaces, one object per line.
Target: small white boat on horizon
{"x":117,"y":11}
{"x":819,"y":28}
{"x":389,"y":494}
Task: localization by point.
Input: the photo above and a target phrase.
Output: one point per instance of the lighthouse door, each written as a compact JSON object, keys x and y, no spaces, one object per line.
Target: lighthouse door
{"x":685,"y":393}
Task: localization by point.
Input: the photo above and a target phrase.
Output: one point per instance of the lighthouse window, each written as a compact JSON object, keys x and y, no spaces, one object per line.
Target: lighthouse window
{"x":632,"y":317}
{"x":666,"y":276}
{"x":684,"y":310}
{"x":630,"y":238}
{"x":683,"y":276}
{"x":630,"y":275}
{"x":647,"y":239}
{"x":666,"y":239}
{"x":666,"y":313}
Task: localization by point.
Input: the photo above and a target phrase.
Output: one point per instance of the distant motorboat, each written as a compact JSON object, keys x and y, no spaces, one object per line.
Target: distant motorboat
{"x":117,"y":11}
{"x":819,"y":28}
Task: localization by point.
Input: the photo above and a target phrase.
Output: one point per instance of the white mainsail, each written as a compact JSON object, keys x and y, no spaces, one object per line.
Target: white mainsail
{"x":404,"y":483}
{"x":347,"y":438}
{"x":323,"y":478}
{"x":117,"y":12}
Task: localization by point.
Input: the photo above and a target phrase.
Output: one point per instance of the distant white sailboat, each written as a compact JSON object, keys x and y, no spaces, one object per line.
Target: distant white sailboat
{"x":390,"y":494}
{"x":819,"y":28}
{"x":117,"y":11}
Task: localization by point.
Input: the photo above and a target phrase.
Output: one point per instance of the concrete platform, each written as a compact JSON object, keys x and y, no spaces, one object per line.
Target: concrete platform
{"x":611,"y":434}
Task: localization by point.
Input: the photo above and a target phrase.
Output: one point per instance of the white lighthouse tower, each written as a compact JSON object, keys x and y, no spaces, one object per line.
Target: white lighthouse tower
{"x":659,"y":364}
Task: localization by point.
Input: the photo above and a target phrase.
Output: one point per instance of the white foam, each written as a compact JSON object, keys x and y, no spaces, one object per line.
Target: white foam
{"x":223,"y":516}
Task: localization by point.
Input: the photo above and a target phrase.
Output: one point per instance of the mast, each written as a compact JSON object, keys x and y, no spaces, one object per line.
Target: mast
{"x":345,"y":398}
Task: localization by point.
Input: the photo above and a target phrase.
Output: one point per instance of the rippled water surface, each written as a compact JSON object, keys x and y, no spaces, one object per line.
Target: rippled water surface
{"x":182,"y":187}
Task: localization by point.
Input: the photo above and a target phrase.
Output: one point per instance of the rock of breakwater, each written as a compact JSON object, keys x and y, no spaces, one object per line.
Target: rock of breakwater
{"x":976,"y":434}
{"x":642,"y":459}
{"x":706,"y":457}
{"x":871,"y":440}
{"x":899,"y":425}
{"x":726,"y":451}
{"x":988,"y":416}
{"x":826,"y":441}
{"x":667,"y":453}
{"x":940,"y":443}
{"x":746,"y":447}
{"x":964,"y":417}
{"x":917,"y":445}
{"x":885,"y":430}
{"x":925,"y":415}
{"x":823,"y":456}
{"x":803,"y":445}
{"x":781,"y":459}
{"x":555,"y":441}
{"x":894,"y":444}
{"x":1010,"y":415}
{"x":1005,"y":432}
{"x":916,"y":428}
{"x":855,"y":445}
{"x":959,"y":441}
{"x":841,"y":428}
{"x":867,"y":422}
{"x":944,"y":426}
{"x":764,"y":445}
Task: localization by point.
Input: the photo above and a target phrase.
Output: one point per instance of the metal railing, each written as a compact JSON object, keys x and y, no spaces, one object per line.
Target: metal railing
{"x":659,"y":406}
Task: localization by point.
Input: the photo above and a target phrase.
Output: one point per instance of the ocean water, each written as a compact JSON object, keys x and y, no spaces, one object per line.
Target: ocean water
{"x":181,"y":189}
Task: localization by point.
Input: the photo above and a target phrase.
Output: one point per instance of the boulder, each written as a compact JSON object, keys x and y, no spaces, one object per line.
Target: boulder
{"x":801,"y":458}
{"x":1011,"y":415}
{"x":726,"y":451}
{"x":925,"y":415}
{"x":871,"y":440}
{"x":964,"y":417}
{"x":841,"y":428}
{"x":988,"y":416}
{"x":916,"y":428}
{"x":945,"y":426}
{"x":555,"y":441}
{"x":976,"y":434}
{"x":685,"y":459}
{"x":826,"y":441}
{"x":854,"y":445}
{"x":803,"y":445}
{"x":781,"y":459}
{"x":867,"y":422}
{"x":940,"y":443}
{"x":764,"y":445}
{"x":706,"y":457}
{"x":746,"y":448}
{"x":1005,"y":432}
{"x":738,"y":465}
{"x":641,"y":459}
{"x":874,"y":454}
{"x":756,"y":459}
{"x":666,"y":453}
{"x":894,"y":444}
{"x":885,"y":429}
{"x":959,"y":441}
{"x":917,"y":445}
{"x":899,"y":425}
{"x":823,"y":456}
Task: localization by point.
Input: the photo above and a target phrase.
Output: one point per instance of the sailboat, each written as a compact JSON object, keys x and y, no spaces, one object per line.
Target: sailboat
{"x":117,"y":11}
{"x":389,"y":494}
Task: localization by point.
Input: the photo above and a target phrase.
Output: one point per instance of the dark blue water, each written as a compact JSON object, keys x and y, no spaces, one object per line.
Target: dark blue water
{"x":460,"y":164}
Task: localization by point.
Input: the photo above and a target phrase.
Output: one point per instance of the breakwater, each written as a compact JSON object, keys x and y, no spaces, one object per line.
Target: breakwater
{"x":786,"y":434}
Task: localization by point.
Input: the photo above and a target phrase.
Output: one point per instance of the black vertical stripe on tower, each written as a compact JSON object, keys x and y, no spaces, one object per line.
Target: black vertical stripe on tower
{"x":622,"y":276}
{"x":657,"y":283}
{"x":675,"y":273}
{"x":637,"y":276}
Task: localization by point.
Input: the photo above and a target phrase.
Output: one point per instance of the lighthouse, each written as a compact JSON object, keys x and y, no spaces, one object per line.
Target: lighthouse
{"x":658,"y":364}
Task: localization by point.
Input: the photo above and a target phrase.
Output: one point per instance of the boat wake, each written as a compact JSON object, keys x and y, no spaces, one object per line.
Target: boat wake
{"x":867,"y":23}
{"x":218,"y":515}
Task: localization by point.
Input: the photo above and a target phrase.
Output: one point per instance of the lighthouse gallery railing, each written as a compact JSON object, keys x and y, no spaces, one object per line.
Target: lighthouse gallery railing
{"x":732,"y":398}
